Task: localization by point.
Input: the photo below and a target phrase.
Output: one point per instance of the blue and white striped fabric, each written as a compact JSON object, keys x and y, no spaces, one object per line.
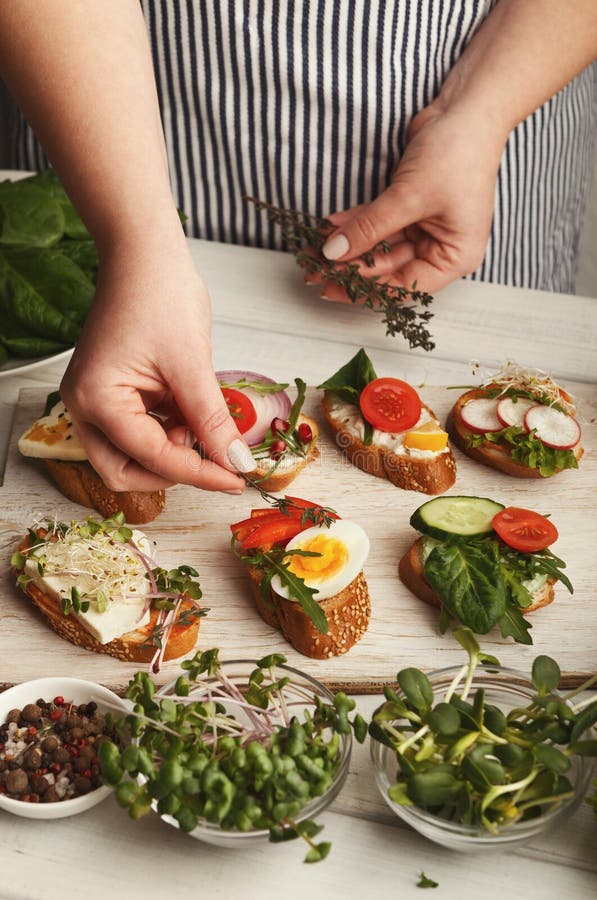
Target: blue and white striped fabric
{"x":305,"y":103}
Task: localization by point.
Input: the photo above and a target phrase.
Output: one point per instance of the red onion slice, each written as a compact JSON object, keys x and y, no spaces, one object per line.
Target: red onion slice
{"x":267,"y":406}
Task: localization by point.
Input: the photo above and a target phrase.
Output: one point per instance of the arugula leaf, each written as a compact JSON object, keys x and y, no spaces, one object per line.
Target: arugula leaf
{"x":468,"y":578}
{"x":349,"y":381}
{"x":513,"y":624}
{"x":272,"y":563}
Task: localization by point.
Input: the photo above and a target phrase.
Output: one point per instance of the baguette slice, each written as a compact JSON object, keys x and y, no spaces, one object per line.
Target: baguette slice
{"x":429,"y":475}
{"x":284,"y":473}
{"x":347,"y":614}
{"x":134,"y":646}
{"x":412,"y":574}
{"x":497,"y":455}
{"x":80,"y":483}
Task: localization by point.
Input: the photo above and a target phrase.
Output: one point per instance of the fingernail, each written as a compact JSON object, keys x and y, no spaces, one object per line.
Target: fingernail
{"x":240,"y":457}
{"x":336,"y":247}
{"x":189,"y":438}
{"x":232,"y":492}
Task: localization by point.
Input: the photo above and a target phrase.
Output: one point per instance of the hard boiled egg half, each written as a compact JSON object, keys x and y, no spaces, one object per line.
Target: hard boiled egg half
{"x":341,"y":553}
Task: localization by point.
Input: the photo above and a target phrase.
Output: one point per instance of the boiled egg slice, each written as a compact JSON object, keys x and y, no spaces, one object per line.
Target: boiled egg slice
{"x":342,"y":550}
{"x":53,"y":437}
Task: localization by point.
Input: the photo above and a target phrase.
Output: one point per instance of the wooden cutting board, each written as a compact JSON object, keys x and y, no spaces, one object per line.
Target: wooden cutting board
{"x":193,"y":529}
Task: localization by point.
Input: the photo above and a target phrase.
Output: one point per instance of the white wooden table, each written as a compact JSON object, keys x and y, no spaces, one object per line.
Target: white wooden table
{"x":266,"y":320}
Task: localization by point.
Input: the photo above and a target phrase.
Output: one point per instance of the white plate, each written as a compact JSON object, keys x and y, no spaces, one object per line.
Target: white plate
{"x":16,"y":366}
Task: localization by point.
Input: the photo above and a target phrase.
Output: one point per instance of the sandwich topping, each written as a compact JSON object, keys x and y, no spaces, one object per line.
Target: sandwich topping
{"x":486,"y":563}
{"x":53,"y":436}
{"x":385,"y":412}
{"x":526,"y":410}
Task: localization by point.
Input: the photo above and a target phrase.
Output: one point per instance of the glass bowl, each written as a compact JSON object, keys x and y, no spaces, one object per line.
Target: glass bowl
{"x":78,"y":691}
{"x":298,"y":694}
{"x":506,"y":689}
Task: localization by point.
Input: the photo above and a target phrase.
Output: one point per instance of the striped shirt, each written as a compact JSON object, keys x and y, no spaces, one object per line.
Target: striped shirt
{"x":306,"y":103}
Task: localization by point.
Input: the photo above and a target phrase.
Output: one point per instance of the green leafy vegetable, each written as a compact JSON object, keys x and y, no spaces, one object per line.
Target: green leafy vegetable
{"x":529,"y":450}
{"x":349,"y":381}
{"x":425,"y":882}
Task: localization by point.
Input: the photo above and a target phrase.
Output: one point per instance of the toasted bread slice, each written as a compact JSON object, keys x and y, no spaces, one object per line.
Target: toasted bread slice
{"x":432,"y":474}
{"x":347,"y":615}
{"x":133,"y":646}
{"x":287,"y":469}
{"x":412,"y":574}
{"x":498,"y":455}
{"x":80,"y":483}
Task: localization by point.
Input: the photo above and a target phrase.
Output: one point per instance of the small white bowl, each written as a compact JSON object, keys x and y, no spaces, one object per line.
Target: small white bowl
{"x":79,"y":691}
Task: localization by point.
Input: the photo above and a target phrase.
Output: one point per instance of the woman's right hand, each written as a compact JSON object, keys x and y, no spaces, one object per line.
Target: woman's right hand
{"x":145,"y":347}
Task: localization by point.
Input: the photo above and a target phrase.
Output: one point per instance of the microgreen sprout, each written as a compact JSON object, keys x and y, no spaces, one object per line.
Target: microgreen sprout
{"x":240,"y":752}
{"x":463,"y":759}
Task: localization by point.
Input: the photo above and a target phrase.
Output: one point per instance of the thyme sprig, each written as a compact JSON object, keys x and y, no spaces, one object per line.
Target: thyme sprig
{"x":316,"y":515}
{"x":398,"y":306}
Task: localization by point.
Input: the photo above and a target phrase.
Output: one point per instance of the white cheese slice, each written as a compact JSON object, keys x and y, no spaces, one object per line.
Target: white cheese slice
{"x":124,"y":610}
{"x":53,"y":437}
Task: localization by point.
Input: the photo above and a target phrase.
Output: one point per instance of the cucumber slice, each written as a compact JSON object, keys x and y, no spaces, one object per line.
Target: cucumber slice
{"x":456,"y":516}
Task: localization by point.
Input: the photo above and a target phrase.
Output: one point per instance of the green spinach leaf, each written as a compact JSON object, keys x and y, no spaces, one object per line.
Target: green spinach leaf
{"x":468,"y":578}
{"x":349,"y":381}
{"x":29,"y":216}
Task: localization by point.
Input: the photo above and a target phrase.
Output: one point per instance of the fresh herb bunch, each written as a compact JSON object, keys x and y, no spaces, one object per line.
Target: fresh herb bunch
{"x":465,"y":760}
{"x":399,"y":307}
{"x":230,"y":751}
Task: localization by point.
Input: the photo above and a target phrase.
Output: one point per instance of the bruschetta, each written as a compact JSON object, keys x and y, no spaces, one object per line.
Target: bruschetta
{"x":385,"y":429}
{"x":305,"y":569}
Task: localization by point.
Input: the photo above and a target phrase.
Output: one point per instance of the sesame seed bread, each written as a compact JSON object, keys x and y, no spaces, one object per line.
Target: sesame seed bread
{"x":497,"y":455}
{"x":347,"y":614}
{"x":429,"y":475}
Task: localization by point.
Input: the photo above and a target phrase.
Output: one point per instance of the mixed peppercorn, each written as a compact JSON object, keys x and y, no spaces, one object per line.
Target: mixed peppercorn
{"x":48,"y":750}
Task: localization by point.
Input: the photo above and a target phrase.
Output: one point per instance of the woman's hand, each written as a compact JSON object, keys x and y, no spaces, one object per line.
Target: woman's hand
{"x":145,"y":347}
{"x":436,"y":213}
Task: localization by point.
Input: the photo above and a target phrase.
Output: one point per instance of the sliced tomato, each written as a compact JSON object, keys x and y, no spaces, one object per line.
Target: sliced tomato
{"x":524,"y":530}
{"x":273,"y":530}
{"x":241,"y":409}
{"x":390,"y":404}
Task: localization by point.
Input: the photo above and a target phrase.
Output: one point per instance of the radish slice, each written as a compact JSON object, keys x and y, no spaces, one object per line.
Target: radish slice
{"x":480,"y":415}
{"x":512,"y":412}
{"x":268,"y":406}
{"x":554,"y":428}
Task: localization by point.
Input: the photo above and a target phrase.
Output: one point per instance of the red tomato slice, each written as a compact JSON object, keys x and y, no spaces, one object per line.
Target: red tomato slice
{"x":241,"y":409}
{"x":524,"y":530}
{"x":390,"y":404}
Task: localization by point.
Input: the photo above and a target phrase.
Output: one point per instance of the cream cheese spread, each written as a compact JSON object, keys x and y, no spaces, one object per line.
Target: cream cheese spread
{"x":352,"y":421}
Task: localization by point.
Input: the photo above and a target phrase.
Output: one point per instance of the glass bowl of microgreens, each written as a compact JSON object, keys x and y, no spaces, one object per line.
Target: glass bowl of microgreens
{"x":482,"y":757}
{"x":234,"y":752}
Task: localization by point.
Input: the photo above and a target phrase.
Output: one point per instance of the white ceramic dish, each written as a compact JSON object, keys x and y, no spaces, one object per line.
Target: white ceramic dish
{"x":79,"y":691}
{"x":15,"y":366}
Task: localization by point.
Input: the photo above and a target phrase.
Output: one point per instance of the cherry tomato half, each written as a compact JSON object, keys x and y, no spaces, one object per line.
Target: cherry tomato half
{"x":241,"y":409}
{"x":390,"y":404}
{"x":524,"y":530}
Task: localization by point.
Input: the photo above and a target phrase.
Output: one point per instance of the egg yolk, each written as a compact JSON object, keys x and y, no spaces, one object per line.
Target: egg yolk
{"x":332,"y":558}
